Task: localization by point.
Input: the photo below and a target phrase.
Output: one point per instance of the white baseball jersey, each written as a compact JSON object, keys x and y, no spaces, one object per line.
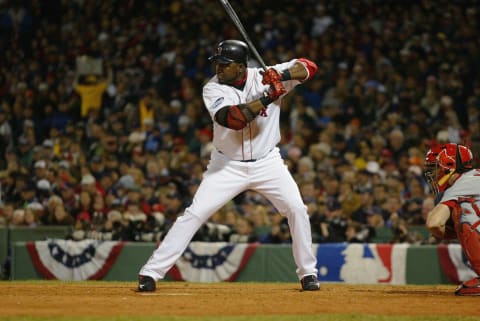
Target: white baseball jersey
{"x":468,"y":184}
{"x":262,"y":134}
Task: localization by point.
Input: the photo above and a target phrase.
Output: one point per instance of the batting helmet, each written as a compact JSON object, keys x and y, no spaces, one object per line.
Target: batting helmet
{"x":231,"y":51}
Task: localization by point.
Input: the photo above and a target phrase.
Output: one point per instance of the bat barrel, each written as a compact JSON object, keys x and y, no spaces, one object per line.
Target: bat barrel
{"x":232,"y":14}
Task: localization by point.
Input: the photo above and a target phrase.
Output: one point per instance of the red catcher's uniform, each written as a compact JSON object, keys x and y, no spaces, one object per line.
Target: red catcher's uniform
{"x":463,"y":198}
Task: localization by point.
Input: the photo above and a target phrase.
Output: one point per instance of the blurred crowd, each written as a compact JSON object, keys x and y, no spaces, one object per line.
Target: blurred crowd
{"x":103,"y":128}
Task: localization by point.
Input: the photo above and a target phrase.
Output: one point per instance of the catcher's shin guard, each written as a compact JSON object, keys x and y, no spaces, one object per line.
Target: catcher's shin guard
{"x":466,"y":217}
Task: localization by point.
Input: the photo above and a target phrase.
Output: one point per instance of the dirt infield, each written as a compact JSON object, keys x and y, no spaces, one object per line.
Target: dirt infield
{"x":49,"y":298}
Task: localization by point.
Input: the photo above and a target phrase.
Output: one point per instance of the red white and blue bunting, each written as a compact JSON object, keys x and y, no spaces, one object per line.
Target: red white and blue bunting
{"x":454,"y":263}
{"x":212,"y":262}
{"x":74,"y":260}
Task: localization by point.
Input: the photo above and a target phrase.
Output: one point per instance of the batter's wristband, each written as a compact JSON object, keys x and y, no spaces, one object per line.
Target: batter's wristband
{"x":265,"y":100}
{"x":286,"y":75}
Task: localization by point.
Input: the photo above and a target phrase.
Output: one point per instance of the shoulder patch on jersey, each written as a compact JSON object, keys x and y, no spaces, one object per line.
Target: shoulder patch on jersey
{"x":217,"y":102}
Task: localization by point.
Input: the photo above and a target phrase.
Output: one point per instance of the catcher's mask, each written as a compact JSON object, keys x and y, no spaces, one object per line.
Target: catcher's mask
{"x":442,"y":161}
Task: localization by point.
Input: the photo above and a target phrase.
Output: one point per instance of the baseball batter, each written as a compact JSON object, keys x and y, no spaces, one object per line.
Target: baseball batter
{"x":450,"y":173}
{"x":244,"y":104}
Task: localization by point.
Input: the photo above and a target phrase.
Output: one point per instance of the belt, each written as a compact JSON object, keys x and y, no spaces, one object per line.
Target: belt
{"x":248,"y":160}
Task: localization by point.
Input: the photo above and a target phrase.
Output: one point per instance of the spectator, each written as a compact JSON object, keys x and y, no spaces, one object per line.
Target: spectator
{"x":366,"y":203}
{"x":147,"y":110}
{"x":91,"y":88}
{"x":114,"y":227}
{"x":358,"y":233}
{"x":414,"y":95}
{"x":244,"y":231}
{"x":18,"y":218}
{"x":85,"y":207}
{"x":6,"y":135}
{"x":279,"y":233}
{"x":27,"y":194}
{"x":40,"y":170}
{"x":154,"y":229}
{"x":412,"y":211}
{"x":400,"y":231}
{"x":43,"y":190}
{"x":6,"y":214}
{"x":59,"y":216}
{"x":88,"y":184}
{"x":349,"y":199}
{"x":427,"y":205}
{"x":25,"y":152}
{"x":333,"y":228}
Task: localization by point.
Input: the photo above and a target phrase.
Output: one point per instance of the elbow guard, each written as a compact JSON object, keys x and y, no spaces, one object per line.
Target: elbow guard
{"x":235,"y":117}
{"x":310,"y":66}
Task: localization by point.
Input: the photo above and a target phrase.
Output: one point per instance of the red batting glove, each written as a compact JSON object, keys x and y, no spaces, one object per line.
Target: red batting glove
{"x":270,"y":76}
{"x":276,"y":90}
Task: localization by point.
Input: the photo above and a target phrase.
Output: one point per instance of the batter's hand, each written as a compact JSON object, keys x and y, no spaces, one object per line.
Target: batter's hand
{"x":276,"y":90}
{"x":271,"y":76}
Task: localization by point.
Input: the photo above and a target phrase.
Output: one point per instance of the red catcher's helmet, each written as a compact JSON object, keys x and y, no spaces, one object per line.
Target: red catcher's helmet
{"x":441,"y":162}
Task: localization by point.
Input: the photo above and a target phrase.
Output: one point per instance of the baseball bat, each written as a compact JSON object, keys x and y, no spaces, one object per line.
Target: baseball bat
{"x":231,"y":12}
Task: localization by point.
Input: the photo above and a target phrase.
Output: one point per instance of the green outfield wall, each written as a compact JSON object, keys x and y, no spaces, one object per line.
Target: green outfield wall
{"x":269,"y":263}
{"x":12,"y":234}
{"x":9,"y":235}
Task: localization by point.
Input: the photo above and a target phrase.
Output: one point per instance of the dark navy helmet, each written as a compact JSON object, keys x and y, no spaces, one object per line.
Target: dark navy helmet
{"x":231,"y":51}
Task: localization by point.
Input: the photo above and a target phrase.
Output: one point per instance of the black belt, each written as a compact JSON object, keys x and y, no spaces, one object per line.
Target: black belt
{"x":248,"y":160}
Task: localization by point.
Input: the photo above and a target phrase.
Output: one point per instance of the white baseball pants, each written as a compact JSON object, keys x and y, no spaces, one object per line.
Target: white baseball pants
{"x":223,"y":180}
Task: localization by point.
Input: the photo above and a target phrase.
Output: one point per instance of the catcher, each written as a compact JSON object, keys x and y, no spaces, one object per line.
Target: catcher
{"x":455,"y":183}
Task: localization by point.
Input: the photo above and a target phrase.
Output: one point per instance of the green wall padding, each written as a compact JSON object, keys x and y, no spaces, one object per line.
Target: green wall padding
{"x":269,"y":263}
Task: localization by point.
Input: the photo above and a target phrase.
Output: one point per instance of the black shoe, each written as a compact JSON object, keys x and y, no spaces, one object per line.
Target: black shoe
{"x":310,"y":283}
{"x":146,"y":284}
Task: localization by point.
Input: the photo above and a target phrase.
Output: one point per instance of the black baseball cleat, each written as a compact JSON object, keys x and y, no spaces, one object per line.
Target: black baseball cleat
{"x":310,"y":283}
{"x":146,"y":284}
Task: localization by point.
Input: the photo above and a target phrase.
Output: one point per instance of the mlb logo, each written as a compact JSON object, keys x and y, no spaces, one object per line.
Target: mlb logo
{"x":362,"y":263}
